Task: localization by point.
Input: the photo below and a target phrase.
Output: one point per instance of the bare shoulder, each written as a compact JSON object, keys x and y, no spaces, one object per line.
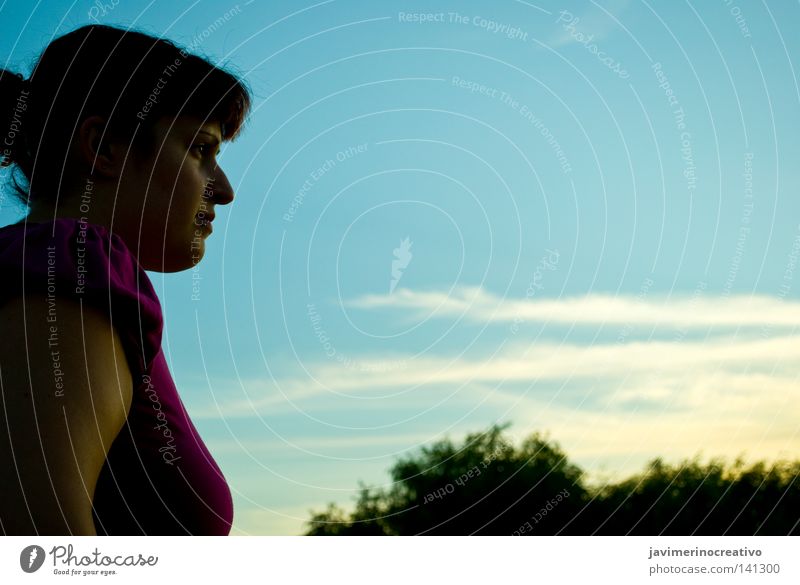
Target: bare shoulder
{"x":66,"y":391}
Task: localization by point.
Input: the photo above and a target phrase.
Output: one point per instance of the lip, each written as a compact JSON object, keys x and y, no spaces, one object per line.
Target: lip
{"x":206,"y":221}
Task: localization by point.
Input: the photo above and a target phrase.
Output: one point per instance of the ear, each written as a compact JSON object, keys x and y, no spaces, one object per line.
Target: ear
{"x":98,"y":149}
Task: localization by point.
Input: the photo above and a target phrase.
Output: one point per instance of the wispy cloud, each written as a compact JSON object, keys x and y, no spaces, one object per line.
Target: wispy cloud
{"x":732,"y":388}
{"x":678,"y":364}
{"x":476,"y":304}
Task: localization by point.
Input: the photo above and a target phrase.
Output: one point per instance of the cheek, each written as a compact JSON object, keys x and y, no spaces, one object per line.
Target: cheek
{"x":180,"y":205}
{"x":163,"y":196}
{"x":180,"y":183}
{"x":191,"y":188}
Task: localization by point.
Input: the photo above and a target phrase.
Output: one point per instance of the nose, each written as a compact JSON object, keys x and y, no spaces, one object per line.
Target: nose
{"x":219,"y":188}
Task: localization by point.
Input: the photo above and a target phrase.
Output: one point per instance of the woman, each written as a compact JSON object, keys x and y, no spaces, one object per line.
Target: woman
{"x":115,"y":135}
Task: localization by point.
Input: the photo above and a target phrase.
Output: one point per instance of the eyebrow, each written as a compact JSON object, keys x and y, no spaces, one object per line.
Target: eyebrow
{"x":213,"y":136}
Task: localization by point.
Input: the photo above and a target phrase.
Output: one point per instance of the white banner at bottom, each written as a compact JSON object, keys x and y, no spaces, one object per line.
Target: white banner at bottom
{"x":401,"y":560}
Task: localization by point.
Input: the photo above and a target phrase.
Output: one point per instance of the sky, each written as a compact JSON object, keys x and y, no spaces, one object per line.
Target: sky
{"x":578,"y":217}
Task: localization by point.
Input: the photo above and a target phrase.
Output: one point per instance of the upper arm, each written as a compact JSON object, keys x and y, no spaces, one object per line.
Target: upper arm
{"x":66,"y":391}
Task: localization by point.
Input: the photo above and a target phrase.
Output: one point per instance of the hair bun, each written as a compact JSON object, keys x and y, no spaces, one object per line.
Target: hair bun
{"x":14,"y":99}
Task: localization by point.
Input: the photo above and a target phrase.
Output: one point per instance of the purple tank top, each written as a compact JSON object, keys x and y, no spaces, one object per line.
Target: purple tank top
{"x":158,"y":478}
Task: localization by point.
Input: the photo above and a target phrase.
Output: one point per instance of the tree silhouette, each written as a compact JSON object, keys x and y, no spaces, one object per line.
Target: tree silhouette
{"x":487,"y":486}
{"x":692,"y":498}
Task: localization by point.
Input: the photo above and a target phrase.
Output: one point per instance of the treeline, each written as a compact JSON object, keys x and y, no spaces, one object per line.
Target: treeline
{"x":489,"y":487}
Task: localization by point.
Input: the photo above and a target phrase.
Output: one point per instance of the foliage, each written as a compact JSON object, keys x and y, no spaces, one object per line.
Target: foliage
{"x":487,"y":486}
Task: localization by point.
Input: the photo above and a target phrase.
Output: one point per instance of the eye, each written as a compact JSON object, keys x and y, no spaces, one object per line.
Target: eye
{"x":205,"y":149}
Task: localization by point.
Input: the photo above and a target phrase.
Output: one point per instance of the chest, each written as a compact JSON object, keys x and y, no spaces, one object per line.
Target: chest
{"x":159,"y":477}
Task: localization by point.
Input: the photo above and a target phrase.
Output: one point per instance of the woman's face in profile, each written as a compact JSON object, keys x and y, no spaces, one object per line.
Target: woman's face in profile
{"x":177,"y":185}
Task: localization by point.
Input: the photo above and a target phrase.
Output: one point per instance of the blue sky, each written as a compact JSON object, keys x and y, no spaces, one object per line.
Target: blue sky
{"x":601,"y":222}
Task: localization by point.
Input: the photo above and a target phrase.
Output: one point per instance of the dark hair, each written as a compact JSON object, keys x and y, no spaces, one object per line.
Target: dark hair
{"x":128,"y":77}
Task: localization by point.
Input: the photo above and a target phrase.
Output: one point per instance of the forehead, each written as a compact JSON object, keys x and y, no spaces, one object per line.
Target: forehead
{"x":187,"y":126}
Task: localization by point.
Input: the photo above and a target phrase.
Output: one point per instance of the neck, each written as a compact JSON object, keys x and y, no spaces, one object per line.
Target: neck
{"x":84,"y":203}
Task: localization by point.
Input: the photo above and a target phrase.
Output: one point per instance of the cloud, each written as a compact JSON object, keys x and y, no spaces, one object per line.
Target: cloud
{"x":681,"y":362}
{"x":732,"y":388}
{"x":622,"y":442}
{"x":329,"y":442}
{"x":478,"y":305}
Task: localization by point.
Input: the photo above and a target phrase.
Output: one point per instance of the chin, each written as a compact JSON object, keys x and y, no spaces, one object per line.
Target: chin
{"x":178,"y":260}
